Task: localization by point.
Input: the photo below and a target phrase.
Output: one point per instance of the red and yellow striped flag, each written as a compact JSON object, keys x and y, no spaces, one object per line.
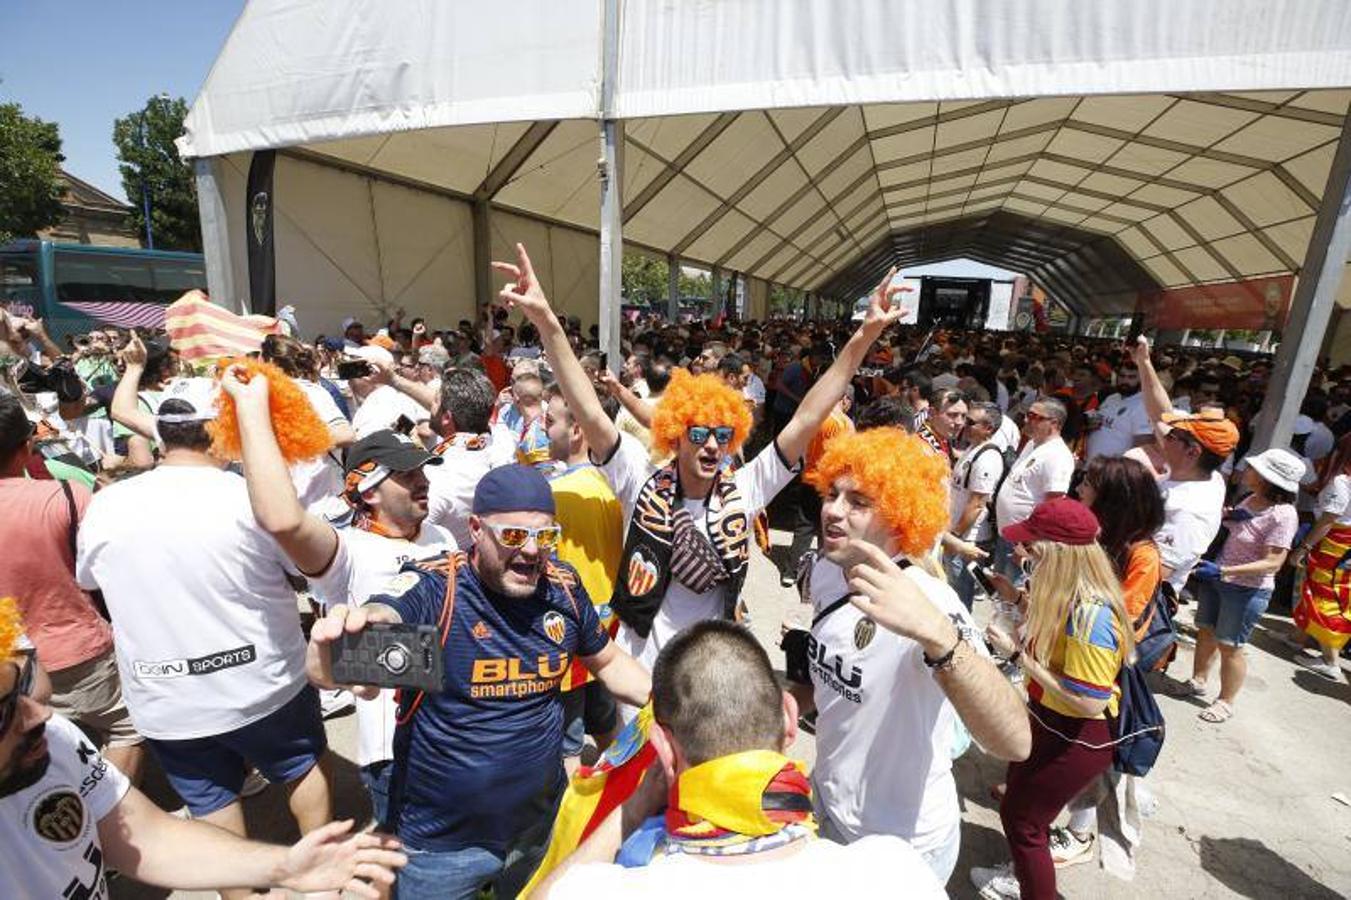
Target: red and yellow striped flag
{"x":199,"y":329}
{"x":596,"y":791}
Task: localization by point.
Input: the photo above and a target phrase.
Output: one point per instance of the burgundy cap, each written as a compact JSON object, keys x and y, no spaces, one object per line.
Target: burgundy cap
{"x":1062,"y":520}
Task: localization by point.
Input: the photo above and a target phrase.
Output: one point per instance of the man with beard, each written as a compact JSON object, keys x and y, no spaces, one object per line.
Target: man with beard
{"x":478,"y":768}
{"x":67,"y":816}
{"x":386,"y":489}
{"x":1121,"y":421}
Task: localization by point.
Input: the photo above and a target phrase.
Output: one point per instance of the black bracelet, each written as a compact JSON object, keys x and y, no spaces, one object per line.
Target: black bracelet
{"x":944,"y":661}
{"x":1017,"y":655}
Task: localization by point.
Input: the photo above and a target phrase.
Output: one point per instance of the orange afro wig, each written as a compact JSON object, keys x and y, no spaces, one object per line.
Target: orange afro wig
{"x":301,"y":434}
{"x":698,"y":400}
{"x":904,"y":477}
{"x":11,"y":626}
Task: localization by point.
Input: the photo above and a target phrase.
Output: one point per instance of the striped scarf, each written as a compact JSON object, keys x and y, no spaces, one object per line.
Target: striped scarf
{"x":743,"y":803}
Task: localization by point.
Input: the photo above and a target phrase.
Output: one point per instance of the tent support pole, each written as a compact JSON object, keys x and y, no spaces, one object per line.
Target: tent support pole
{"x":220,"y":281}
{"x":715,"y":306}
{"x":483,"y":255}
{"x":673,"y":288}
{"x":1311,"y":308}
{"x":611,"y":194}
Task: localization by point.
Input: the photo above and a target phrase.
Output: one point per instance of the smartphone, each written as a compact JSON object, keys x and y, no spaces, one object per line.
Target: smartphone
{"x":983,"y":577}
{"x":390,"y":655}
{"x":404,"y":425}
{"x":353,"y":368}
{"x":605,"y":360}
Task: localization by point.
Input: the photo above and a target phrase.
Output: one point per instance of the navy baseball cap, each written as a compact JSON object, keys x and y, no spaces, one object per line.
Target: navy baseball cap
{"x":513,"y":488}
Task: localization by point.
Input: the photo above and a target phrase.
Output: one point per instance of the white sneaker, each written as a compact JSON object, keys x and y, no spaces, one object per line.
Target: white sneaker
{"x":1068,"y":849}
{"x":996,"y":883}
{"x":1319,"y":666}
{"x":333,"y":702}
{"x":254,"y":784}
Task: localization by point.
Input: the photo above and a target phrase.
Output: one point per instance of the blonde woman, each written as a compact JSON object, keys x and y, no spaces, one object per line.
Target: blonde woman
{"x":1075,"y":640}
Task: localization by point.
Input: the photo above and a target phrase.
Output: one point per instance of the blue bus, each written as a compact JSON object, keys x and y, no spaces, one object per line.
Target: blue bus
{"x":75,"y":288}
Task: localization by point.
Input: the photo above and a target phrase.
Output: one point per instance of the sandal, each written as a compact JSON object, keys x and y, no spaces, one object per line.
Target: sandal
{"x":1189,"y":688}
{"x":1217,"y":712}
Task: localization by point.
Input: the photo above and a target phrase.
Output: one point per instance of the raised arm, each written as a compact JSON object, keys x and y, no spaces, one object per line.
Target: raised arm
{"x":424,"y":394}
{"x":126,"y":408}
{"x":142,"y":841}
{"x":988,"y":705}
{"x":640,"y":409}
{"x":525,"y":293}
{"x":829,"y":388}
{"x":1157,"y":402}
{"x":310,"y":542}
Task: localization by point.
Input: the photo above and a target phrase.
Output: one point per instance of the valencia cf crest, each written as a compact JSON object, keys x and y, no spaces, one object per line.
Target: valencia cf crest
{"x":642,"y":574}
{"x":59,"y":817}
{"x":864,"y":632}
{"x":554,"y":627}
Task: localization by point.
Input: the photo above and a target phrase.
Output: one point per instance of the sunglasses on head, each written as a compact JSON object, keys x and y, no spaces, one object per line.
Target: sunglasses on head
{"x":516,"y":536}
{"x":698,"y":434}
{"x":23,"y":687}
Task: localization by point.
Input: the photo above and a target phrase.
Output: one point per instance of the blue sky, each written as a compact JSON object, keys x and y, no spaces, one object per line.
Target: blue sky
{"x":84,"y":63}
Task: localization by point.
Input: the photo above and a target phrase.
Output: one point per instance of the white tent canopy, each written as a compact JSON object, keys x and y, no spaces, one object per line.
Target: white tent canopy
{"x":1102,"y":147}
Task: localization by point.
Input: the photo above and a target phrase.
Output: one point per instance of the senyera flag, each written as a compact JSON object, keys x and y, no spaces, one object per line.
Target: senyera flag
{"x":596,"y":791}
{"x":199,"y":329}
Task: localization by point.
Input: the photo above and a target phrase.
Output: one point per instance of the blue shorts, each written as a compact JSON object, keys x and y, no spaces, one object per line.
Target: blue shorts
{"x":1230,"y":610}
{"x":208,"y":772}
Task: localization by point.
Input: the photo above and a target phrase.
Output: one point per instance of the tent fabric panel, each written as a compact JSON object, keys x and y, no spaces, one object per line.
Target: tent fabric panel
{"x":296,"y":72}
{"x":561,"y":171}
{"x":566,"y":261}
{"x":455,"y":158}
{"x":754,"y":54}
{"x":426,"y":252}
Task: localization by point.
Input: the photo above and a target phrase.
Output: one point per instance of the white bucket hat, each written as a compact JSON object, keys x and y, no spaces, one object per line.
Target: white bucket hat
{"x":1281,"y":468}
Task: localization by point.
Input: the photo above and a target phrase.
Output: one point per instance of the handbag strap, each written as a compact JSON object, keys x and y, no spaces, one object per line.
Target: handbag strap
{"x":834,"y":605}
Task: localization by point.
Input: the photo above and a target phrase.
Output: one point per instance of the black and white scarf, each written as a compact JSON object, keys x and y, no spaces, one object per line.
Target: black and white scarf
{"x":664,"y":542}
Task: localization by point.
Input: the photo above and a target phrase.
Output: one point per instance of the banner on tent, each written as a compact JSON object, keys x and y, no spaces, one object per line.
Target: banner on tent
{"x":1260,"y":304}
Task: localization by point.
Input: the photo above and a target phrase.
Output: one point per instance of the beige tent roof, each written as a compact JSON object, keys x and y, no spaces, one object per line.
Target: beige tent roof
{"x":1192,"y":188}
{"x":814,"y":143}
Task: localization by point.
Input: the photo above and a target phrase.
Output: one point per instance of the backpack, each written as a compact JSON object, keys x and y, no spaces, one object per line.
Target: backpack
{"x":1008,"y":456}
{"x":1138,"y":728}
{"x":1156,"y":635}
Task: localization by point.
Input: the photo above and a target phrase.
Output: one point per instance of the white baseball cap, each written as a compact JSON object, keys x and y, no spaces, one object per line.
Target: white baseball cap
{"x":200,"y":394}
{"x":372,"y":353}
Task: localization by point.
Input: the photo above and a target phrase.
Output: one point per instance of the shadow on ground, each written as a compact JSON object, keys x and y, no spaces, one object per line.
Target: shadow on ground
{"x":1250,"y":869}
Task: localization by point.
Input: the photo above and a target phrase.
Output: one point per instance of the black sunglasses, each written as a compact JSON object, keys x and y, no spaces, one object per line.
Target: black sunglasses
{"x":23,"y":687}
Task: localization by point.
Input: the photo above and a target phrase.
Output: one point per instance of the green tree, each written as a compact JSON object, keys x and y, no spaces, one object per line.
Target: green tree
{"x":30,"y":170}
{"x":644,"y":279}
{"x":152,"y":170}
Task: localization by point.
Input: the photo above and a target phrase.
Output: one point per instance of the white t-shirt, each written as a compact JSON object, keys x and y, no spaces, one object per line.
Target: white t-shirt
{"x":1039,"y":470}
{"x":883,"y":695}
{"x":1191,"y":519}
{"x":1320,"y":442}
{"x":1008,"y":436}
{"x":205,"y":625}
{"x":1123,"y":419}
{"x":90,"y":437}
{"x":627,"y":470}
{"x":754,"y":390}
{"x":49,"y":839}
{"x":450,"y":493}
{"x":977,"y":471}
{"x":875,"y":867}
{"x":365,"y":565}
{"x":382,"y":408}
{"x":318,"y":479}
{"x":1336,"y":498}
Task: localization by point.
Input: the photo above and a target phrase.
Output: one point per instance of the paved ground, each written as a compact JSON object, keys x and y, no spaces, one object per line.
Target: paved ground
{"x":1245,"y":808}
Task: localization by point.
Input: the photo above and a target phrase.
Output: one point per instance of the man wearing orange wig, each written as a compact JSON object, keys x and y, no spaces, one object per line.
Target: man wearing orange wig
{"x":902,"y":685}
{"x":687,"y":543}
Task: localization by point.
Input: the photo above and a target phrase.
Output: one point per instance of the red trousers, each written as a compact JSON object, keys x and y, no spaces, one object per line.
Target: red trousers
{"x":1039,"y":787}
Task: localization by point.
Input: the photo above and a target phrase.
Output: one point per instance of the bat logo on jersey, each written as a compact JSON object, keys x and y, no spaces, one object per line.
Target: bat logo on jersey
{"x":481,"y":631}
{"x":555,"y":627}
{"x":59,"y":817}
{"x":864,"y":632}
{"x":642,"y":574}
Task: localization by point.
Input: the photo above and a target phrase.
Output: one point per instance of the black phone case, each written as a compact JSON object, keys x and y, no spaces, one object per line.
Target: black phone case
{"x":390,"y":655}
